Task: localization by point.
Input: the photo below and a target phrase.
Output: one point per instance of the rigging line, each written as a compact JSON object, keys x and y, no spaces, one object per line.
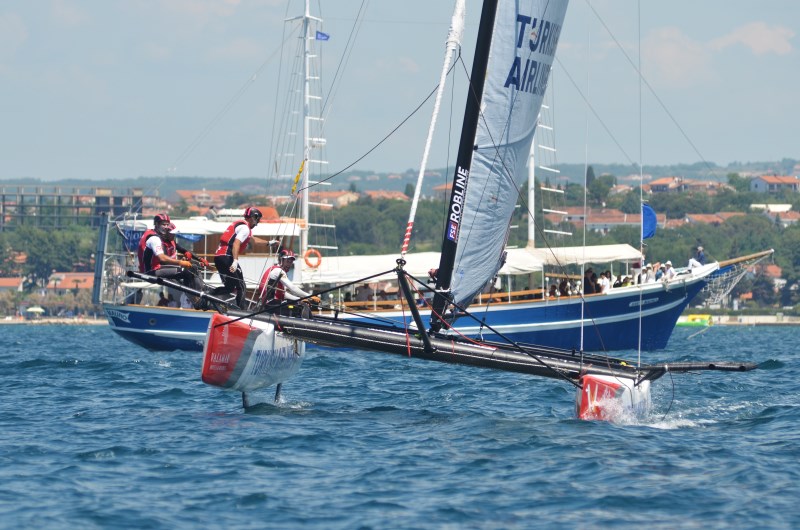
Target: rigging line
{"x":672,"y":400}
{"x":284,"y":40}
{"x":286,"y":302}
{"x":345,"y":59}
{"x":189,"y":149}
{"x":594,"y":112}
{"x":585,"y":183}
{"x":641,"y":191}
{"x":223,"y":111}
{"x":449,"y":142}
{"x":382,"y":140}
{"x":651,"y":89}
{"x":510,"y":342}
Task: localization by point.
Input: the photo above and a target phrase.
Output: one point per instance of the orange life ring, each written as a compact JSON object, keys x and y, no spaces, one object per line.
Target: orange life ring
{"x":312,"y":252}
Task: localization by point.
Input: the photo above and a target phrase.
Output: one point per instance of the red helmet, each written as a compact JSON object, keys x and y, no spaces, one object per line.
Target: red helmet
{"x":160,"y":223}
{"x":253,"y":212}
{"x":286,"y":254}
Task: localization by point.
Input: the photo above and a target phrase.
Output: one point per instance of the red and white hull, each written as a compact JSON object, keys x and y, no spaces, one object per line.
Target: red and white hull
{"x":247,"y":354}
{"x":607,"y":398}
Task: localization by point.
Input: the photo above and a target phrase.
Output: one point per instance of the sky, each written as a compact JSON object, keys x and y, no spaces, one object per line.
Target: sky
{"x":116,"y":89}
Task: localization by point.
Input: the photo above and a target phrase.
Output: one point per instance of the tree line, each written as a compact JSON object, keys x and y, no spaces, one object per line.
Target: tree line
{"x":370,"y":226}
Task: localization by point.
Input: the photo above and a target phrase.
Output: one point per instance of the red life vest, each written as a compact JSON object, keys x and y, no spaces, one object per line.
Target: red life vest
{"x":226,"y":241}
{"x":145,"y":254}
{"x":270,"y":290}
{"x":170,"y":249}
{"x":148,"y":261}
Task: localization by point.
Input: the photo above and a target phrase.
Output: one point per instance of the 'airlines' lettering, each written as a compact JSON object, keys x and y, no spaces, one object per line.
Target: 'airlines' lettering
{"x":542,"y":38}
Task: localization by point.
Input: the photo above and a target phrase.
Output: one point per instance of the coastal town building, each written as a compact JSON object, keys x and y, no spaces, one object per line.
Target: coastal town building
{"x":62,"y":282}
{"x":774,"y":184}
{"x":683,"y":185}
{"x":53,"y":207}
{"x":11,"y":284}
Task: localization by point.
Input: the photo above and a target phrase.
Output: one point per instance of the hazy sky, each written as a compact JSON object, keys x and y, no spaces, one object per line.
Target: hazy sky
{"x":108,"y":89}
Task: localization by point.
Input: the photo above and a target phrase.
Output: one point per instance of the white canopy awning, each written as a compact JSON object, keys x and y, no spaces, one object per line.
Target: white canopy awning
{"x":203,"y":227}
{"x":520,"y":260}
{"x":345,"y":269}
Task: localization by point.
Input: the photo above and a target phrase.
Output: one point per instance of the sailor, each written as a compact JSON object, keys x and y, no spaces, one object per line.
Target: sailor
{"x":233,"y":241}
{"x":275,"y":285}
{"x":158,"y":254}
{"x":700,"y":256}
{"x":669,"y":272}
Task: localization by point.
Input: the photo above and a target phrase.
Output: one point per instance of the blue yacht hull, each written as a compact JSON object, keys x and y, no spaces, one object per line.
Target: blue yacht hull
{"x":602,"y":322}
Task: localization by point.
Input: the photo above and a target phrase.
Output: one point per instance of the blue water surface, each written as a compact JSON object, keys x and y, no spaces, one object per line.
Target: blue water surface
{"x":99,"y":433}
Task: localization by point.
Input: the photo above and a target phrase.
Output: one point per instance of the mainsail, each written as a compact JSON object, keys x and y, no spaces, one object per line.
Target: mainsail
{"x":485,"y":189}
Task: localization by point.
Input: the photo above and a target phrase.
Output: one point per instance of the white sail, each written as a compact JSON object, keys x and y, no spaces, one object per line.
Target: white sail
{"x":524,"y":41}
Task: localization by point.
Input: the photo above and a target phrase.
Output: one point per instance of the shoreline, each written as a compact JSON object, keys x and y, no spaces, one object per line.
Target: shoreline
{"x":717,"y":320}
{"x":58,"y":321}
{"x":751,"y":320}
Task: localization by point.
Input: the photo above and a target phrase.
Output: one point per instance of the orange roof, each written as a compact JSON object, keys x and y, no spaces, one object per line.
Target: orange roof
{"x":674,"y":223}
{"x":707,"y":218}
{"x":71,"y":280}
{"x":216,"y":197}
{"x":790,"y":215}
{"x":773,"y":179}
{"x":383,"y":194}
{"x":10,"y":283}
{"x":268,"y":213}
{"x":727,"y":215}
{"x":664,"y":181}
{"x":772,"y":270}
{"x":328,"y":194}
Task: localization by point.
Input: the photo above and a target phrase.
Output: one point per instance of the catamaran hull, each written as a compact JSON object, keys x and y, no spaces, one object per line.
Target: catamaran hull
{"x":247,"y":355}
{"x":607,"y":388}
{"x":601,"y":397}
{"x":159,"y":328}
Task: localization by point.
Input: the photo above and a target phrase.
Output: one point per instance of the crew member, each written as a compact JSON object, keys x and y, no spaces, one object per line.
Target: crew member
{"x":233,"y":241}
{"x":275,"y":285}
{"x":158,"y":254}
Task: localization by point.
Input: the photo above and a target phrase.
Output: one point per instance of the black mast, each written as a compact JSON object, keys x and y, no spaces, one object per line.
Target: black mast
{"x":463,"y":162}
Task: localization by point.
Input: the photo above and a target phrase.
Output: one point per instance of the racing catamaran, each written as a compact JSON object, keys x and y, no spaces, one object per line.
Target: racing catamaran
{"x":515,"y":47}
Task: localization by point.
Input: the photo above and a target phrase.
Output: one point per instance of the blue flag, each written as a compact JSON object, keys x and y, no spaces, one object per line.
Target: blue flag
{"x":322,"y":36}
{"x":649,"y":222}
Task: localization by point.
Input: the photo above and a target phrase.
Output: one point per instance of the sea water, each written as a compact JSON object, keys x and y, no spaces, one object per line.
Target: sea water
{"x":99,"y":433}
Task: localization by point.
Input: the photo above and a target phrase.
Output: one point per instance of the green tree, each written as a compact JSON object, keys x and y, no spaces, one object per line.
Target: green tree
{"x":764,"y":291}
{"x":589,"y":176}
{"x":631,"y":201}
{"x":599,"y":188}
{"x":44,"y":254}
{"x":739,"y":183}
